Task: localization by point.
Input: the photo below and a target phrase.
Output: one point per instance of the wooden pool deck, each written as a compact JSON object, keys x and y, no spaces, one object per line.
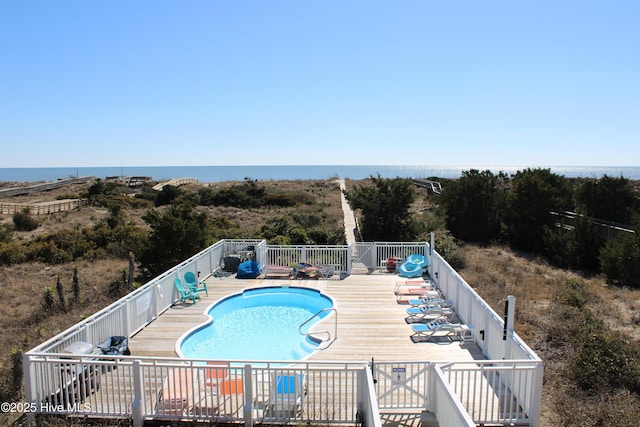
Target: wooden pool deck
{"x":370,"y":322}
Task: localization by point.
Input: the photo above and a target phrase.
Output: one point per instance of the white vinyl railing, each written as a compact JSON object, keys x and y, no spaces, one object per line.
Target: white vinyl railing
{"x":374,"y":255}
{"x":513,"y":368}
{"x":446,"y":404}
{"x":175,"y":389}
{"x":335,"y":256}
{"x":488,"y":329}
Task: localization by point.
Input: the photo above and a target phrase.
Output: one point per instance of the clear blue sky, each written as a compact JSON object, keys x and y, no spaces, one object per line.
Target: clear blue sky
{"x":420,"y":82}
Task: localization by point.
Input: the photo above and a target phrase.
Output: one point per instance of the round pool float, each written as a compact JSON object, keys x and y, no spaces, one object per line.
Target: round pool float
{"x":413,"y":266}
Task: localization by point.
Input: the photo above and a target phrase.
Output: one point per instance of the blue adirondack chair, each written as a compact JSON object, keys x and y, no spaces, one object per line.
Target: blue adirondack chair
{"x":185,"y":294}
{"x":193,"y":284}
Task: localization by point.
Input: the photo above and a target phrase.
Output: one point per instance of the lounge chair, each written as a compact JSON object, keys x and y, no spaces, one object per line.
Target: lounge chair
{"x":222,"y":392}
{"x":194,"y":284}
{"x":414,"y":282}
{"x":415,"y":287}
{"x":277,"y":271}
{"x":439,"y":328}
{"x":301,"y":270}
{"x":427,"y":313}
{"x":416,"y":291}
{"x":430,"y":301}
{"x":183,"y":293}
{"x":177,"y":393}
{"x":214,"y":374}
{"x":285,"y":396}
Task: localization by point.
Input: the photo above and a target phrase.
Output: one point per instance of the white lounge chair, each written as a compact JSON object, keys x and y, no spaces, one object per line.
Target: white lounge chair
{"x":415,"y":302}
{"x":427,"y":313}
{"x":440,"y":328}
{"x":416,"y":291}
{"x":223,"y":392}
{"x":177,"y":392}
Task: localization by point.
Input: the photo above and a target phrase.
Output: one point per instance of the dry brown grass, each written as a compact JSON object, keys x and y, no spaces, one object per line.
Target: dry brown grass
{"x":27,"y":322}
{"x":325,"y":195}
{"x":494,"y":272}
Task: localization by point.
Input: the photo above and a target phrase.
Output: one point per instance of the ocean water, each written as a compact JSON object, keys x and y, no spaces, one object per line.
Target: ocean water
{"x":292,"y":172}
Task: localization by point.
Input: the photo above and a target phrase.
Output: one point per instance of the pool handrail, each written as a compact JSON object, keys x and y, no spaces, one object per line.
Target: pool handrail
{"x":335,"y":327}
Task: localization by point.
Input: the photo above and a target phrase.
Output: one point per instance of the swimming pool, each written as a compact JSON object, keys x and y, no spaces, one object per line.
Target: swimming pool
{"x":258,"y":324}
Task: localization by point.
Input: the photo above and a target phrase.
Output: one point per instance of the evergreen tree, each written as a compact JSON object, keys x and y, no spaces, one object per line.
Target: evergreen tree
{"x":384,"y":209}
{"x":611,"y":199}
{"x":620,"y":259}
{"x":534,"y":194}
{"x":473,"y":205}
{"x":176,"y":234}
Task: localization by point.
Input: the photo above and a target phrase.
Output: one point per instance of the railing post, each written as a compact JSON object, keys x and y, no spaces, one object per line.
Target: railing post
{"x":373,"y":256}
{"x":28,"y":383}
{"x":430,"y":254}
{"x":137,"y":406}
{"x":431,"y":389}
{"x":248,"y":396}
{"x":125,"y":318}
{"x":536,"y":398}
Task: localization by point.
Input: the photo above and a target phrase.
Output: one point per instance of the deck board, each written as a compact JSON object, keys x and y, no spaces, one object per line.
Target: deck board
{"x":370,"y":325}
{"x":370,"y":321}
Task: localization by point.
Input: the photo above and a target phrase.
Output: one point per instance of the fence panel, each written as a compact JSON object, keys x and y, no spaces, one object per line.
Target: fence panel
{"x":446,"y":404}
{"x":401,"y":384}
{"x":488,"y":330}
{"x":374,"y":255}
{"x":176,"y":389}
{"x":486,"y":389}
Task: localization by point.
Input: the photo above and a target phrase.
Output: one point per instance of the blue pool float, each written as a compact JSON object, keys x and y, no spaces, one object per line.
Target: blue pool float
{"x":413,"y":266}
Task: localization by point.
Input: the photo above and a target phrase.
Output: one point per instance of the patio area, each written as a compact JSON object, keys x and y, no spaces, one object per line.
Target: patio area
{"x":370,"y":322}
{"x":368,"y":368}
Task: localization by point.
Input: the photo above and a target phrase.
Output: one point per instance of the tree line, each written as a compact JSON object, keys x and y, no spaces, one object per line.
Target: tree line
{"x":484,"y":207}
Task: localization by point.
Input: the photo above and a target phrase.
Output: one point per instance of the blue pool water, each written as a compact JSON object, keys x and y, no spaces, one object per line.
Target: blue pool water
{"x":258,"y":324}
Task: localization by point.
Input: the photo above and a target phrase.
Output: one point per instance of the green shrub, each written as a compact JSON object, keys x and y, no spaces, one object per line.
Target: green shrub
{"x":168,"y":194}
{"x":176,"y":234}
{"x":12,"y":253}
{"x":6,"y":233}
{"x":281,"y":199}
{"x":572,"y":293}
{"x":24,"y":221}
{"x":606,"y":360}
{"x":620,"y":260}
{"x":47,"y":252}
{"x":17,"y":369}
{"x":48,"y":298}
{"x":599,"y":359}
{"x":447,"y":247}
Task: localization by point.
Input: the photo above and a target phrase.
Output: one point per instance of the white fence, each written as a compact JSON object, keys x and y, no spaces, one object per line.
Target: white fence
{"x":495,"y":341}
{"x":175,"y":389}
{"x":337,"y":258}
{"x":338,"y":393}
{"x":375,"y":255}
